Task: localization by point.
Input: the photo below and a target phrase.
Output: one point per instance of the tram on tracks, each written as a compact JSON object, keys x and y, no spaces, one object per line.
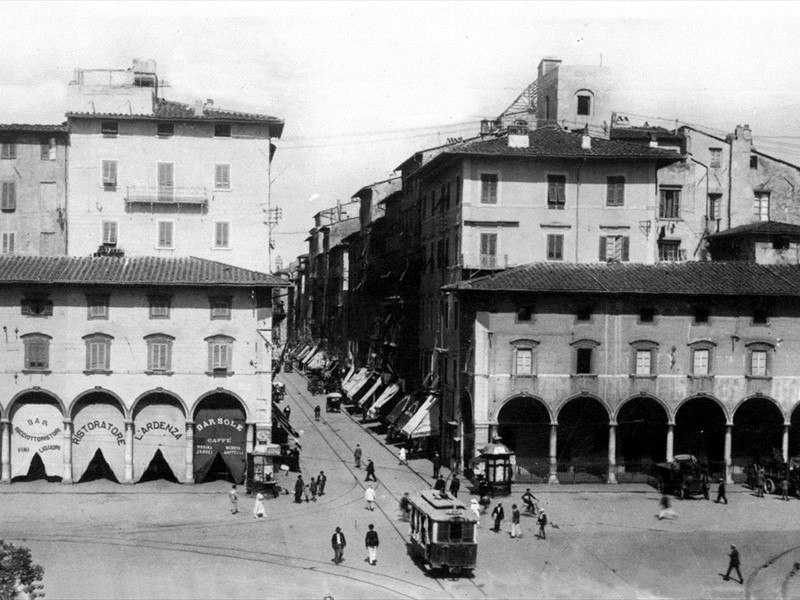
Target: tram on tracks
{"x":443,"y":532}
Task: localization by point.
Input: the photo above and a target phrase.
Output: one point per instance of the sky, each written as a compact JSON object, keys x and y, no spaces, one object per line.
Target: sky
{"x":361,"y":86}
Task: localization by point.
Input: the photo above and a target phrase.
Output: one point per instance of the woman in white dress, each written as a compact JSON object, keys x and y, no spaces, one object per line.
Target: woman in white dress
{"x":258,"y":507}
{"x":475,"y":507}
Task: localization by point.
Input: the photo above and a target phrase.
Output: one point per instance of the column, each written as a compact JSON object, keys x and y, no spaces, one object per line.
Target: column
{"x":553,"y":457}
{"x":5,"y":450}
{"x":670,"y":441}
{"x":67,"y":452}
{"x":612,"y":453}
{"x":189,"y":475}
{"x":251,"y":437}
{"x":128,"y":452}
{"x":785,"y":444}
{"x":728,"y":445}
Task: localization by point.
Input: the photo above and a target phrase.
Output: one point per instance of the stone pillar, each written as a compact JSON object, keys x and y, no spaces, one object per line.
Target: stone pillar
{"x":67,"y":452}
{"x":251,"y":437}
{"x":728,"y":459}
{"x":670,"y":441}
{"x":128,"y":452}
{"x":553,"y":456}
{"x":189,"y":437}
{"x":612,"y":453}
{"x":785,"y":445}
{"x":5,"y":451}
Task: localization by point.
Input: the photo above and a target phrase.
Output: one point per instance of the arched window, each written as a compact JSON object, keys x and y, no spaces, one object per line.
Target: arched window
{"x":585,"y":356}
{"x":37,"y":352}
{"x":159,"y":353}
{"x":220,"y":354}
{"x":702,"y":358}
{"x":98,"y":352}
{"x":585,"y":101}
{"x":524,"y":364}
{"x":759,"y":359}
{"x":643,"y":358}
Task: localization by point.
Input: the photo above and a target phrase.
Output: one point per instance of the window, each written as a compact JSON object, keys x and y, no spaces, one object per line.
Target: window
{"x":753,"y":161}
{"x":584,"y":104}
{"x":8,"y":150}
{"x":37,"y":351}
{"x":109,"y":174}
{"x":669,"y":206}
{"x":615,"y":195}
{"x":222,"y":177}
{"x":647,"y":314}
{"x":555,"y":246}
{"x":220,"y":350}
{"x":669,"y":250}
{"x":583,"y":313}
{"x":759,"y":359}
{"x":221,"y":234}
{"x":109,"y":233}
{"x":166,"y":129}
{"x":9,"y":242}
{"x":47,"y":147}
{"x":98,"y":352}
{"x":701,"y":314}
{"x":488,"y":188}
{"x":220,"y":308}
{"x":159,"y":307}
{"x":165,"y":234}
{"x":159,"y":353}
{"x":525,"y":313}
{"x":556,"y":191}
{"x":643,"y":358}
{"x":222,"y":130}
{"x":8,"y":201}
{"x":702,"y":358}
{"x":715,"y":207}
{"x":644,"y":362}
{"x":761,"y":205}
{"x":760,"y":316}
{"x":488,"y":250}
{"x":614,"y":247}
{"x":716,"y":157}
{"x":97,"y":306}
{"x":524,"y":361}
{"x":166,"y":181}
{"x":584,"y":356}
{"x":109,"y":128}
{"x":37,"y":307}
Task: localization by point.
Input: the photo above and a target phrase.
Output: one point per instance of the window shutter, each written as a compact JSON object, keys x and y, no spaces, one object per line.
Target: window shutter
{"x":110,"y":232}
{"x":621,"y":191}
{"x":110,"y":173}
{"x":166,"y":175}
{"x":625,"y":247}
{"x":9,"y":199}
{"x":603,"y":243}
{"x":222,"y":176}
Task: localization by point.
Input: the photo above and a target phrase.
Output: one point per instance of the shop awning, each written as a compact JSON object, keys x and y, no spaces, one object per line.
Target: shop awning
{"x":283,"y":422}
{"x":317,"y":361}
{"x":364,"y":386}
{"x":397,"y":411}
{"x":409,"y":411}
{"x":370,"y":395}
{"x":355,"y":380}
{"x":304,"y":350}
{"x":306,"y":354}
{"x":425,"y":421}
{"x":350,"y":372}
{"x":389,"y":393}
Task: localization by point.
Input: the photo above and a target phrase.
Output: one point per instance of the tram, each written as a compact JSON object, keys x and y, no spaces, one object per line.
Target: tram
{"x":443,"y":532}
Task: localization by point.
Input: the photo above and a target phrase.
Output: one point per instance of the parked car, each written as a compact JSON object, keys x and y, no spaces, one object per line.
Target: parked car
{"x":684,"y":477}
{"x":774,"y":472}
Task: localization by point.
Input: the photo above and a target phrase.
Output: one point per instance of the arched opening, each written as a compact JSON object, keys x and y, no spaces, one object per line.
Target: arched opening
{"x":700,"y":430}
{"x":583,"y":441}
{"x":794,"y":433}
{"x":524,"y":425}
{"x":37,"y":438}
{"x":220,"y":439}
{"x":98,"y":438}
{"x":159,"y":438}
{"x":641,"y":438}
{"x":757,"y":434}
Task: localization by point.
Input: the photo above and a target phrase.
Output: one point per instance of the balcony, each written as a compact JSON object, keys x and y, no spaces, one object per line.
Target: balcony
{"x":493,"y":261}
{"x":167,"y":196}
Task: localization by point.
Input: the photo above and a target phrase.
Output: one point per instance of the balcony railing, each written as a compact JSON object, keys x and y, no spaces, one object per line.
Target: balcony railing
{"x":167,"y":195}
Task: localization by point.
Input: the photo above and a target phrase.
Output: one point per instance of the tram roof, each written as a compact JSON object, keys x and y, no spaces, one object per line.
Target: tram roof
{"x":441,"y":506}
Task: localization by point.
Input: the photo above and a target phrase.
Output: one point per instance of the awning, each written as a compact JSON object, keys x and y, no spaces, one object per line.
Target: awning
{"x":350,"y":372}
{"x":425,"y":421}
{"x":397,"y":411}
{"x":317,"y":361}
{"x":306,"y":352}
{"x":352,"y":383}
{"x":364,"y":386}
{"x":389,"y":393}
{"x":369,"y":396}
{"x":409,"y":411}
{"x":283,"y":422}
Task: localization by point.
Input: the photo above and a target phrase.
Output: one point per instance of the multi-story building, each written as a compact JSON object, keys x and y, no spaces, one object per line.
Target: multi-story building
{"x":133,"y":368}
{"x":33,"y":200}
{"x":149,"y":176}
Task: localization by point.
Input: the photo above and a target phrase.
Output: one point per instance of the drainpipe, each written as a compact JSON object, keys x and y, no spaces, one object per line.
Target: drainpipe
{"x":577,"y":210}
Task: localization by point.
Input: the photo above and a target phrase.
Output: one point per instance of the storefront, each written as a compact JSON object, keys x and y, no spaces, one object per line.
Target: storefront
{"x":159,"y":439}
{"x":220,"y":439}
{"x":37,"y":438}
{"x":98,"y":439}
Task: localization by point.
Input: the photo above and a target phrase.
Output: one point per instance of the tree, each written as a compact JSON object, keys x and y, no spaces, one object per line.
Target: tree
{"x":18,"y":574}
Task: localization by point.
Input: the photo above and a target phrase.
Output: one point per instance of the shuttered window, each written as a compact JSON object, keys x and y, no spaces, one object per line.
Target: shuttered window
{"x":165,"y":234}
{"x":8,"y":150}
{"x":166,"y":181}
{"x":220,"y":352}
{"x":556,"y":191}
{"x":555,"y":247}
{"x":159,"y":353}
{"x":616,"y":191}
{"x":222,"y":177}
{"x":109,"y":173}
{"x":614,"y":247}
{"x":644,"y":359}
{"x":9,"y":242}
{"x":701,"y":362}
{"x":37,"y":351}
{"x":524,"y":364}
{"x":98,"y":352}
{"x":488,"y":188}
{"x":221,"y":234}
{"x":110,"y":233}
{"x":8,"y":200}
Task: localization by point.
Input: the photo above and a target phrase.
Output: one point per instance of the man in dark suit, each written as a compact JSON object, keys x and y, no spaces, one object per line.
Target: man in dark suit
{"x":455,"y":485}
{"x":371,"y":542}
{"x":338,"y":543}
{"x":299,"y":488}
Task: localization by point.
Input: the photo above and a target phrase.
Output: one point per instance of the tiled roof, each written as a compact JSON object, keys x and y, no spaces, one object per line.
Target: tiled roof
{"x":146,"y":270}
{"x":760,"y":228}
{"x":689,"y":278}
{"x":34,"y":128}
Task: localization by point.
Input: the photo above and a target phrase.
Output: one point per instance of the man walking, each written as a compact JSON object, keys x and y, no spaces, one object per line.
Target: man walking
{"x":287,"y":412}
{"x":440,"y":485}
{"x":542,"y":520}
{"x":321,"y":480}
{"x":313,"y":487}
{"x":234,"y":498}
{"x":515,"y":527}
{"x":338,"y":542}
{"x":357,"y":456}
{"x":760,"y":479}
{"x":498,"y":514}
{"x":371,"y":542}
{"x":369,"y":496}
{"x":733,"y":563}
{"x":455,"y":485}
{"x":370,"y":471}
{"x":299,"y":488}
{"x":721,"y":492}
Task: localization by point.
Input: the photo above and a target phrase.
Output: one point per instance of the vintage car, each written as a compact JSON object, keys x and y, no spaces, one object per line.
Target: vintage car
{"x":683,"y":477}
{"x":775,"y":470}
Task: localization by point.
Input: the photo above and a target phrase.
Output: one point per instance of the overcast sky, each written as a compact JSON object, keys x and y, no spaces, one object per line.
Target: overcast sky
{"x":361,"y":86}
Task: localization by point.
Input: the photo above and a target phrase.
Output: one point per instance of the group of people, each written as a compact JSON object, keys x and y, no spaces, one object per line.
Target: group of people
{"x":371,"y":541}
{"x":315,"y":487}
{"x":499,"y":514}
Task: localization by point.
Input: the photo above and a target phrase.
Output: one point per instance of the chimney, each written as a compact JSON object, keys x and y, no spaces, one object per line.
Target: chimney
{"x":653,"y":141}
{"x":518,"y":135}
{"x":548,"y":63}
{"x":743,"y":132}
{"x":487,"y":126}
{"x":586,"y":140}
{"x":210,"y":102}
{"x":198,"y":108}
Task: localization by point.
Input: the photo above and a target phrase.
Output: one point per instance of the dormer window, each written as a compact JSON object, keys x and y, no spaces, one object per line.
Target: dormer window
{"x":222,"y":130}
{"x":37,"y":307}
{"x":109,"y":128}
{"x":166,"y":129}
{"x":584,"y":103}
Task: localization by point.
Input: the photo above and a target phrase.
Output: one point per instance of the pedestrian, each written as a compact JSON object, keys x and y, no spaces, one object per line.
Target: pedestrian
{"x":312,"y":486}
{"x":371,"y":541}
{"x":357,"y":456}
{"x":498,"y":514}
{"x":299,"y":486}
{"x":234,"y":498}
{"x":338,"y":542}
{"x":287,"y":412}
{"x":402,"y":454}
{"x":721,"y":492}
{"x":405,"y":506}
{"x":455,"y":485}
{"x":437,"y":465}
{"x":734,"y":563}
{"x":369,"y":496}
{"x":475,"y":507}
{"x":258,"y":507}
{"x":440,"y":484}
{"x":760,"y":478}
{"x":306,"y":491}
{"x":530,"y":502}
{"x":666,"y":512}
{"x":704,"y":487}
{"x":321,"y":481}
{"x":785,"y":489}
{"x":542,"y":520}
{"x":370,"y":471}
{"x":317,"y":411}
{"x":516,"y":531}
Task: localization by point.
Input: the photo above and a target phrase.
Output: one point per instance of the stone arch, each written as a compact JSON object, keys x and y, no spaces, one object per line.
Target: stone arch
{"x":96,"y":390}
{"x":700,"y":424}
{"x":728,"y":419}
{"x":159,"y":436}
{"x":757,"y":434}
{"x":738,"y":405}
{"x":559,"y":407}
{"x":220,"y":390}
{"x":523,"y":422}
{"x":36,"y":419}
{"x":515,"y":395}
{"x":642,"y":423}
{"x":99,"y":442}
{"x":582,"y":445}
{"x":157,"y":391}
{"x":220,"y":437}
{"x":34,"y":390}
